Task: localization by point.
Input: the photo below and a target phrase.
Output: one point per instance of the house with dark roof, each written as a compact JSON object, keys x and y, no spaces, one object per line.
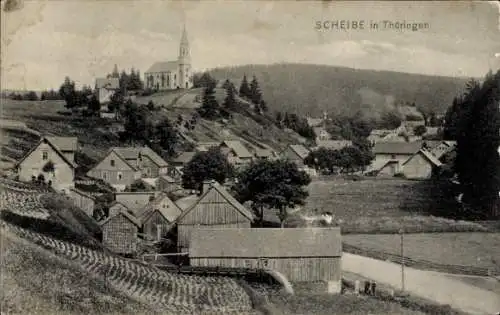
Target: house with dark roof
{"x":167,"y":75}
{"x":392,"y":155}
{"x":300,"y":254}
{"x":105,"y":88}
{"x":421,"y":165}
{"x":237,"y":154}
{"x":158,"y":216}
{"x":214,"y":208}
{"x":53,"y":159}
{"x":297,"y":153}
{"x":119,"y":233}
{"x":124,"y":165}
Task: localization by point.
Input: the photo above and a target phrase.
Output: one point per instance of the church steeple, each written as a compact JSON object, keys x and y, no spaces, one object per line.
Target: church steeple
{"x":185,"y":78}
{"x":184,"y":54}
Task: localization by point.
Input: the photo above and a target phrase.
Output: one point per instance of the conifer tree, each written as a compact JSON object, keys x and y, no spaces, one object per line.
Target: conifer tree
{"x":244,"y":88}
{"x":255,"y":94}
{"x":210,"y":107}
{"x":229,"y":101}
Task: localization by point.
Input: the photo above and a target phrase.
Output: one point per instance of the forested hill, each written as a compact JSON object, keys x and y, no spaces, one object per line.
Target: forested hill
{"x":311,"y":89}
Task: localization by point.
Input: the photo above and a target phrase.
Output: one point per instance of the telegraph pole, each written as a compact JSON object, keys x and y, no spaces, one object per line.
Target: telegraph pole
{"x":401,"y":233}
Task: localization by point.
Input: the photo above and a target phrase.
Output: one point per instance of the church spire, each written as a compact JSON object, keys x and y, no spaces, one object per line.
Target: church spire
{"x":184,"y":54}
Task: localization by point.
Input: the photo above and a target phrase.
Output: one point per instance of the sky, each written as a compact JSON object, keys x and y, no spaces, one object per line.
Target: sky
{"x":44,"y":41}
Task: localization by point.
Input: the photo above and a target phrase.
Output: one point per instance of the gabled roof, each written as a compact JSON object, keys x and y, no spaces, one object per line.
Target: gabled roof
{"x":132,"y":153}
{"x":265,"y":242}
{"x":333,"y":144}
{"x":127,"y":215}
{"x":264,"y":153}
{"x":300,"y":150}
{"x":115,"y":203}
{"x":163,"y":66}
{"x":428,"y":156}
{"x":397,"y":147}
{"x":186,"y":202}
{"x":82,"y":193}
{"x":53,"y":146}
{"x":133,"y":167}
{"x":238,"y":148}
{"x":170,"y":214}
{"x":226,"y":195}
{"x":108,"y":83}
{"x":65,"y":143}
{"x":184,"y":157}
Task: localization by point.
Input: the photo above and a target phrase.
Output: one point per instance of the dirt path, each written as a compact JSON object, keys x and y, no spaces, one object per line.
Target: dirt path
{"x":426,"y":284}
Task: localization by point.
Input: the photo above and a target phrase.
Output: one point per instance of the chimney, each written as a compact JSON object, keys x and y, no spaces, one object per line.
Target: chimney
{"x":206,"y":185}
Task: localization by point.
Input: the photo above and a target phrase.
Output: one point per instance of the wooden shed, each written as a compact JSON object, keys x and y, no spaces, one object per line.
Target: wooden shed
{"x":422,"y":165}
{"x":215,"y":208}
{"x":119,"y":233}
{"x":301,"y":254}
{"x":83,"y":200}
{"x":115,"y":207}
{"x":158,"y":217}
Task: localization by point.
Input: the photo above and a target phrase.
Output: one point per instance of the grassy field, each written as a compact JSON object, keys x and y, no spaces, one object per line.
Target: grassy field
{"x":377,"y":206}
{"x":465,"y":249}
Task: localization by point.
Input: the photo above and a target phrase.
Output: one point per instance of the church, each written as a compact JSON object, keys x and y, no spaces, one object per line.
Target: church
{"x":176,"y":74}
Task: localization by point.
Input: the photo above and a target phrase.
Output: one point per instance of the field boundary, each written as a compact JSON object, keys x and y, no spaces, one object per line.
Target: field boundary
{"x":420,"y":263}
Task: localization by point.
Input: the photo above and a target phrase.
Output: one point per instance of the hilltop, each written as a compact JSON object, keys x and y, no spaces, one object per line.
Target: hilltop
{"x":311,"y":89}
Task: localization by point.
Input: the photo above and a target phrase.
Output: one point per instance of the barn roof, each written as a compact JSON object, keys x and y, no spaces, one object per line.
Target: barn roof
{"x":300,"y":150}
{"x":170,"y":214}
{"x":397,"y":147}
{"x":225,"y":194}
{"x":266,"y":242}
{"x":127,"y":215}
{"x":163,"y":66}
{"x":428,"y":156}
{"x":108,"y":83}
{"x":238,"y":148}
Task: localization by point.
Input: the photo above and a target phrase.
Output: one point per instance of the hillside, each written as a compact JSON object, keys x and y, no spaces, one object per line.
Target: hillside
{"x":311,"y":89}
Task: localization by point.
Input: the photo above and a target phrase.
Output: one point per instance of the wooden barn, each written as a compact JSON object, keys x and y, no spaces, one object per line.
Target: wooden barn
{"x":136,"y":200}
{"x":215,"y":208}
{"x":119,"y":233}
{"x":158,"y":217}
{"x":115,"y":207}
{"x":300,"y":254}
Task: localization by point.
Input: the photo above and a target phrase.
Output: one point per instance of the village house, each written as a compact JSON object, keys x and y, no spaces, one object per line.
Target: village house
{"x":135,"y":201}
{"x":321,"y":134}
{"x":422,"y":165}
{"x":166,"y":183}
{"x":300,"y":254}
{"x":51,"y":159}
{"x":158,"y":216}
{"x":105,"y":88}
{"x":205,"y":146}
{"x":297,"y":153}
{"x":440,"y":148}
{"x":265,"y":154}
{"x":122,"y":166}
{"x":237,"y":154}
{"x":389,"y":156}
{"x":115,"y":207}
{"x":83,"y":200}
{"x":119,"y":233}
{"x":215,"y":208}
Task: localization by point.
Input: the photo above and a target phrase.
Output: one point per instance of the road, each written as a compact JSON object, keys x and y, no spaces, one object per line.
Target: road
{"x":431,"y":285}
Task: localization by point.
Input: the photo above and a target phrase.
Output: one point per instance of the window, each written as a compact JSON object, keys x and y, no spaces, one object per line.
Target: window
{"x":393,"y":156}
{"x":248,"y":263}
{"x":140,"y":157}
{"x":104,"y":176}
{"x":264,"y":263}
{"x":119,"y":176}
{"x":112,"y":162}
{"x":45,"y":155}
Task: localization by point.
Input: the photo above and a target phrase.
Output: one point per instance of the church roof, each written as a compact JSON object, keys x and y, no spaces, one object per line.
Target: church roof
{"x":163,"y":66}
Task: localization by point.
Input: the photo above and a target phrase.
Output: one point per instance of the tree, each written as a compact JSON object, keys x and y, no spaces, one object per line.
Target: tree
{"x":167,"y":136}
{"x":275,"y":184}
{"x":244,"y":88}
{"x":68,"y":92}
{"x":31,"y":96}
{"x":211,"y":164}
{"x":204,"y":81}
{"x":94,"y":105}
{"x":230,"y":100}
{"x":116,"y":101}
{"x":255,"y":93}
{"x":210,"y":107}
{"x":115,"y":73}
{"x":419,"y":130}
{"x":478,"y":141}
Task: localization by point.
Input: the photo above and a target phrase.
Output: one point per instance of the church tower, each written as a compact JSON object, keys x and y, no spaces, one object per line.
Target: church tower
{"x":184,"y":62}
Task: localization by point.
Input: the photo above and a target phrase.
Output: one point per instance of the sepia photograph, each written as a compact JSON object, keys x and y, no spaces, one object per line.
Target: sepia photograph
{"x":249,"y":157}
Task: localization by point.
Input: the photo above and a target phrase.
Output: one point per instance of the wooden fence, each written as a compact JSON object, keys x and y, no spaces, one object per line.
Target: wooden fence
{"x":422,"y":264}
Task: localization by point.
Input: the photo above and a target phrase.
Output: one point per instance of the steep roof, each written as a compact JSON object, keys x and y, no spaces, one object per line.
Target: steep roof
{"x":83,"y":193}
{"x":64,"y":143}
{"x":132,"y":153}
{"x":184,"y":157}
{"x":170,"y":214}
{"x":428,"y":156}
{"x":127,"y":215}
{"x":300,"y":150}
{"x":108,"y":83}
{"x":163,"y":66}
{"x":397,"y":147}
{"x":238,"y":148}
{"x":266,"y":242}
{"x":223,"y":193}
{"x":116,"y":203}
{"x":333,"y":144}
{"x":186,"y":202}
{"x":53,"y":146}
